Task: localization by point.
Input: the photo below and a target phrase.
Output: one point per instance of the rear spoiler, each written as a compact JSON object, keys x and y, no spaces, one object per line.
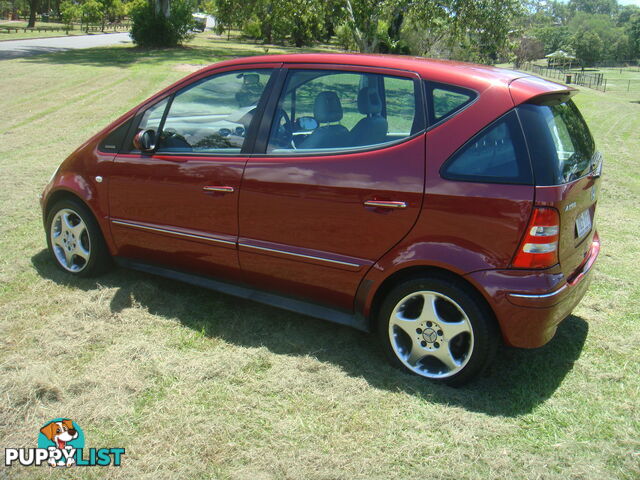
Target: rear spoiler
{"x":539,"y":91}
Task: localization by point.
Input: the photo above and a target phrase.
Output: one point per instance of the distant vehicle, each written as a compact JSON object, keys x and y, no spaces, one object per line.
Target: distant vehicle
{"x":443,"y":205}
{"x":204,"y":21}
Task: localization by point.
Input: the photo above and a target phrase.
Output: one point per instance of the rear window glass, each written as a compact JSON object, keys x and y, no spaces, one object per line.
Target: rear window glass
{"x":559,"y":140}
{"x":445,"y":100}
{"x":496,"y":155}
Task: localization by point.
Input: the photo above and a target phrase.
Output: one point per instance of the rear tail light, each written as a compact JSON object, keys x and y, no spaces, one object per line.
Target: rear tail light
{"x":539,"y":247}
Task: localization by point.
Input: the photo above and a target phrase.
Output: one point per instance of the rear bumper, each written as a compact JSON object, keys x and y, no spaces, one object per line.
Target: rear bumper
{"x":529,"y":305}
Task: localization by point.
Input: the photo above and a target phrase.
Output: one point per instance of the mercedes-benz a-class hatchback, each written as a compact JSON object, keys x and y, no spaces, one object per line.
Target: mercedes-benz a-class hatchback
{"x":447,"y":207}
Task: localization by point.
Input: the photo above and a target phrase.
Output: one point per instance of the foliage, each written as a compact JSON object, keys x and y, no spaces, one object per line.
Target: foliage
{"x":594,"y":7}
{"x":588,"y":47}
{"x":527,"y":49}
{"x":152,"y":29}
{"x":91,"y":11}
{"x":633,"y":30}
{"x":610,"y":28}
{"x":70,"y":12}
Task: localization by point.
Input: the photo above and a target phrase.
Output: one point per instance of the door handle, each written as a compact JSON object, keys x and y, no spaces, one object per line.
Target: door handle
{"x":218,"y":188}
{"x":384,"y":204}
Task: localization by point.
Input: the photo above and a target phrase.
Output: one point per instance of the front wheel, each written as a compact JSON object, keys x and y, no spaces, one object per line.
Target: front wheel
{"x":75,"y":240}
{"x":438,"y":329}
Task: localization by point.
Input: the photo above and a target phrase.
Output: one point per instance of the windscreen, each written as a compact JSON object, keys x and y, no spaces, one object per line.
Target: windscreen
{"x":559,"y":141}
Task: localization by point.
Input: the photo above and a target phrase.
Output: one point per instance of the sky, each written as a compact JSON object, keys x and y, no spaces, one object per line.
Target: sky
{"x":629,"y":2}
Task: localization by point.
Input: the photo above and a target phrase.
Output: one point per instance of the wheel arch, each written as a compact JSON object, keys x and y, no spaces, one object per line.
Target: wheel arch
{"x":418,"y":271}
{"x":63,"y":194}
{"x":67,"y":194}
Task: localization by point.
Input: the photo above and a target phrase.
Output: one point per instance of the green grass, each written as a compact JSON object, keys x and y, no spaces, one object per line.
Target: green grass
{"x":195,"y":384}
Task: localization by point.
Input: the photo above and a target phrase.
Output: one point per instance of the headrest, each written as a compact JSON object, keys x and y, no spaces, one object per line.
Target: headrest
{"x":327,"y":107}
{"x":369,"y":102}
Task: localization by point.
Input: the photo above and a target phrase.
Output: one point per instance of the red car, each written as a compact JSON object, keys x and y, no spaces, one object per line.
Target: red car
{"x":443,"y":205}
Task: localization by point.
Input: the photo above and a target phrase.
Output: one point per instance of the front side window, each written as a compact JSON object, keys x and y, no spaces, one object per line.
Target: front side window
{"x":496,"y":155}
{"x":324,"y":111}
{"x":212,"y":116}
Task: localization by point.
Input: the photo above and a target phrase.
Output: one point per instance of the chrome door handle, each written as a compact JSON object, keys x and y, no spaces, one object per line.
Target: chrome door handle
{"x":384,"y":204}
{"x":216,"y":188}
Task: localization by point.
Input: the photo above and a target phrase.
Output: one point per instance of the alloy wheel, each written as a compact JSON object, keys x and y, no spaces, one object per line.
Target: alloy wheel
{"x":70,"y":240}
{"x":431,"y":334}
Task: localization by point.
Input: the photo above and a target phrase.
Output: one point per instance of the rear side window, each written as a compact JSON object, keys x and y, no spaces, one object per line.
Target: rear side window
{"x":446,"y":100}
{"x":325,"y":111}
{"x":559,"y":140}
{"x":495,"y":155}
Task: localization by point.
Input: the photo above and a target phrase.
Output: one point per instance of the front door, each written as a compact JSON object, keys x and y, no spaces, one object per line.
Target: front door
{"x":340,"y":182}
{"x":178,"y":206}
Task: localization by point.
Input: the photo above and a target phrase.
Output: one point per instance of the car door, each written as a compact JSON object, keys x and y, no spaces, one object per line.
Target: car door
{"x":340,"y":180}
{"x":177,"y":206}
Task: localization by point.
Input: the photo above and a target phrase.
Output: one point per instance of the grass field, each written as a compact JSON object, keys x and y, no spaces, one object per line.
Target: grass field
{"x":196,"y":384}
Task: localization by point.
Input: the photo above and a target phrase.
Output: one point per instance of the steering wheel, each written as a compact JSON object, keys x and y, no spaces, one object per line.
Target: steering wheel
{"x":282,"y":136}
{"x":174,"y":141}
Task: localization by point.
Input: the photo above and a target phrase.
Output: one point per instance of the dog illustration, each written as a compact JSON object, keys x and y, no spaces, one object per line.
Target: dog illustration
{"x":60,"y":433}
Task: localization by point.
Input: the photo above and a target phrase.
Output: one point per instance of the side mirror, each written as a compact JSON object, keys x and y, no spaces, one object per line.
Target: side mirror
{"x":306,"y":123}
{"x":145,"y":141}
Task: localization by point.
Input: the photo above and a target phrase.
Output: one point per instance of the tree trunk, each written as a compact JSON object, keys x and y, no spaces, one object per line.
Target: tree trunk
{"x":164,"y":7}
{"x":33,"y":6}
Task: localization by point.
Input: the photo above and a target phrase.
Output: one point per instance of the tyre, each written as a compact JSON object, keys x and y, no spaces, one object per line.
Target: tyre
{"x":439,"y":329}
{"x":75,"y":240}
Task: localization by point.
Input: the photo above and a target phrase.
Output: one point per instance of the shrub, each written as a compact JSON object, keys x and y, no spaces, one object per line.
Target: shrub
{"x":152,"y":29}
{"x":252,"y":28}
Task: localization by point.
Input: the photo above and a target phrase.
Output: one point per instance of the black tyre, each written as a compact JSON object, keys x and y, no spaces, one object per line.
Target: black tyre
{"x":75,"y":240}
{"x":437,"y":328}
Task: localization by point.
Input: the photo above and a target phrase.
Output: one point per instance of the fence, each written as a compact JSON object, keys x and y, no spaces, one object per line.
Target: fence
{"x":66,"y":28}
{"x":585,"y":79}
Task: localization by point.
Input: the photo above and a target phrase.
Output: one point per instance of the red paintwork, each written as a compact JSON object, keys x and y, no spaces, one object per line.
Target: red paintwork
{"x":312,"y":206}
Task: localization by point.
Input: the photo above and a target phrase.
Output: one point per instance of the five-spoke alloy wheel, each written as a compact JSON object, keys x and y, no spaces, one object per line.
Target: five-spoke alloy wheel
{"x":75,"y":240}
{"x":438,"y":329}
{"x":70,"y":240}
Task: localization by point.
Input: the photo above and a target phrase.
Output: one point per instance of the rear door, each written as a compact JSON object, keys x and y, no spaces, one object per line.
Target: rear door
{"x":328,"y":198}
{"x":567,"y":172}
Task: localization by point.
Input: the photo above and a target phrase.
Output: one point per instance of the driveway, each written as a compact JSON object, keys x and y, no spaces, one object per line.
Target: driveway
{"x":23,"y":48}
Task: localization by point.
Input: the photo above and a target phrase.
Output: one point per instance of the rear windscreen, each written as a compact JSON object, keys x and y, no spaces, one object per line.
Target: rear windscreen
{"x":559,"y":142}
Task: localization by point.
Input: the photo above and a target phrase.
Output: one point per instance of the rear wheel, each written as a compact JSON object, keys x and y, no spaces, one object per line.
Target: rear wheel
{"x":438,"y":329}
{"x":75,"y":240}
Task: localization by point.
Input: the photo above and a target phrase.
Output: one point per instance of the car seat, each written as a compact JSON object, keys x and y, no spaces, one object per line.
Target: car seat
{"x":373,"y":127}
{"x":326,"y":109}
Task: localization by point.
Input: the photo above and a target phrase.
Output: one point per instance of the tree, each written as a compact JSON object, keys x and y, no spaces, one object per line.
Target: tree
{"x":633,"y":30}
{"x":553,"y":37}
{"x":588,"y":47}
{"x":91,"y":12}
{"x":623,"y":49}
{"x":594,"y":7}
{"x":70,"y":12}
{"x":527,"y":49}
{"x":363,"y":17}
{"x":33,"y":7}
{"x":626,"y":12}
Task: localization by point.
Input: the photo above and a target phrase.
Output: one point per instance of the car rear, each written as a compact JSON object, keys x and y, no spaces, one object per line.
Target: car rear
{"x":549,"y":272}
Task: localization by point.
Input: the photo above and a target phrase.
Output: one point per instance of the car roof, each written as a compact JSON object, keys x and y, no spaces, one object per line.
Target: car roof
{"x":470,"y":75}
